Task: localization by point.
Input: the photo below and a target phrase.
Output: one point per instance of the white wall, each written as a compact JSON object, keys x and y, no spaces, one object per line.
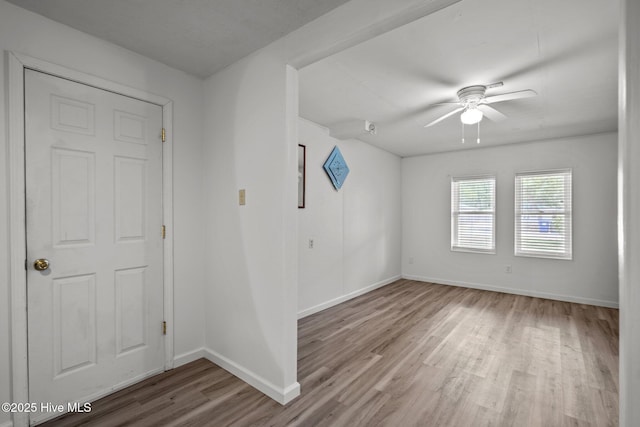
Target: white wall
{"x":251,"y":327}
{"x":31,"y":34}
{"x":591,"y":276}
{"x":356,"y":231}
{"x":629,"y":213}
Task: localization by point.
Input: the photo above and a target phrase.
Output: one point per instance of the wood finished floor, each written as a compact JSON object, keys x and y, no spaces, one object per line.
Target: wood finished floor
{"x":408,"y":354}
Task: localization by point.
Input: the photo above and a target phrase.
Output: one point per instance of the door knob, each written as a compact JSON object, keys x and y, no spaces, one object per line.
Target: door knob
{"x":41,"y":264}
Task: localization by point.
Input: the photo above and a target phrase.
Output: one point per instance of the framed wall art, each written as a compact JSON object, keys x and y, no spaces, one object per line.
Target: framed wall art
{"x":336,"y":167}
{"x":302,"y":174}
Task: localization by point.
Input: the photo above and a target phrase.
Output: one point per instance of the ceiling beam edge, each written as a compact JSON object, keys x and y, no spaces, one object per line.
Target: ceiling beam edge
{"x":351,"y":24}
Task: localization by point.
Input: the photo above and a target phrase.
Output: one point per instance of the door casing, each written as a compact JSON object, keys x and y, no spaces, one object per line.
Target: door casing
{"x":17,"y":63}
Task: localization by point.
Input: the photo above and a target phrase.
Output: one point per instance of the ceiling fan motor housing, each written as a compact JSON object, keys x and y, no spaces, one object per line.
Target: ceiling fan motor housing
{"x":471,"y":95}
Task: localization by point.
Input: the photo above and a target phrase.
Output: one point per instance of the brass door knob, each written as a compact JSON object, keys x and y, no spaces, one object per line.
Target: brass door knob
{"x":41,"y":264}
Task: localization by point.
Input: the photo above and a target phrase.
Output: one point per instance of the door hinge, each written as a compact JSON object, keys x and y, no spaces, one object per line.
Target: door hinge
{"x":164,"y":328}
{"x":164,"y":135}
{"x":164,"y":232}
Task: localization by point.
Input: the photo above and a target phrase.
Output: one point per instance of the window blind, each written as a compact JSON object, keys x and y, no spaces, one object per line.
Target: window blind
{"x":543,"y":214}
{"x":473,"y":201}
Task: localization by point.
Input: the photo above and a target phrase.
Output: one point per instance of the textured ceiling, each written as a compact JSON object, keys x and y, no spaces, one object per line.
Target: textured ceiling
{"x":564,"y":50}
{"x":197,"y":36}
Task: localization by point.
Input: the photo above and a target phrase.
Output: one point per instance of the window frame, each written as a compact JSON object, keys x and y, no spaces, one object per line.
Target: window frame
{"x":567,"y":255}
{"x":455,"y":214}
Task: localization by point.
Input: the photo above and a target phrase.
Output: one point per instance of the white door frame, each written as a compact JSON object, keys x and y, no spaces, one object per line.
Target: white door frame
{"x":17,"y":63}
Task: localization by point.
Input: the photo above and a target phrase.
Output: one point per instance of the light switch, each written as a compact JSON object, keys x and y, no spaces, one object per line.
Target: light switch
{"x":241,"y":197}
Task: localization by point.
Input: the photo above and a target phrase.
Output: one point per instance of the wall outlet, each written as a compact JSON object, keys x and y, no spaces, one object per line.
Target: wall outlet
{"x":507,"y":269}
{"x":310,"y":243}
{"x":242,"y":200}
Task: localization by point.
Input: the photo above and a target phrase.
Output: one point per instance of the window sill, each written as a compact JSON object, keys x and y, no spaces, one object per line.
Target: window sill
{"x":473,"y":250}
{"x":545,"y":256}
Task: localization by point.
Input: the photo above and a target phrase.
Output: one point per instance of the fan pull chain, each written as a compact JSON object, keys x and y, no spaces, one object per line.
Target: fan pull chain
{"x":478,"y":140}
{"x":462,"y":132}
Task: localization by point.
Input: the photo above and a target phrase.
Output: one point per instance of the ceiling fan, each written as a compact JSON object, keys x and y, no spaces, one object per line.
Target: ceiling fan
{"x":474,"y":104}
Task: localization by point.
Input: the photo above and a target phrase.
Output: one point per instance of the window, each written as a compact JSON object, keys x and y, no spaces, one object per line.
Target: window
{"x":473,"y":214}
{"x":543,"y":214}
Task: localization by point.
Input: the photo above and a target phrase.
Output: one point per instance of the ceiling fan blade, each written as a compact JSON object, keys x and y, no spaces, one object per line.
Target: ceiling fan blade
{"x":528,"y":93}
{"x":444,"y":103}
{"x":441,"y":118}
{"x":494,"y":85}
{"x":491,"y":113}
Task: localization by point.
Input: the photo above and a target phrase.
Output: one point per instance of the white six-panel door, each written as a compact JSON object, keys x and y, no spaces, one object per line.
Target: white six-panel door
{"x":94,"y":211}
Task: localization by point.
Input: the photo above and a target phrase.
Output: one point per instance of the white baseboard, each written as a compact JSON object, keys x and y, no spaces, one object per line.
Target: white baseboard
{"x":524,"y":292}
{"x":191,"y":356}
{"x":323,"y":306}
{"x":280,"y":395}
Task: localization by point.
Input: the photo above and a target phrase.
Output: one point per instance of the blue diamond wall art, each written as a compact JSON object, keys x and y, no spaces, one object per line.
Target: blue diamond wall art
{"x":336,"y":168}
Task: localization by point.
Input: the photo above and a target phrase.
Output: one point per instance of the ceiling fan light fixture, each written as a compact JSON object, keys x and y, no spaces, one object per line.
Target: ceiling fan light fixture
{"x":471,"y":116}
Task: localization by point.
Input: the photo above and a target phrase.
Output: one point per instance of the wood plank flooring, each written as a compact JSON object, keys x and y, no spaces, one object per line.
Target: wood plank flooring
{"x":408,"y":354}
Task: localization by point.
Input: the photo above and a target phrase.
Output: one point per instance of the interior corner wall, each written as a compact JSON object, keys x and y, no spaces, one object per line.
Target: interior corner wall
{"x":250,"y":317}
{"x":27,"y":33}
{"x":629,"y":212}
{"x":591,"y":277}
{"x":356,"y":231}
